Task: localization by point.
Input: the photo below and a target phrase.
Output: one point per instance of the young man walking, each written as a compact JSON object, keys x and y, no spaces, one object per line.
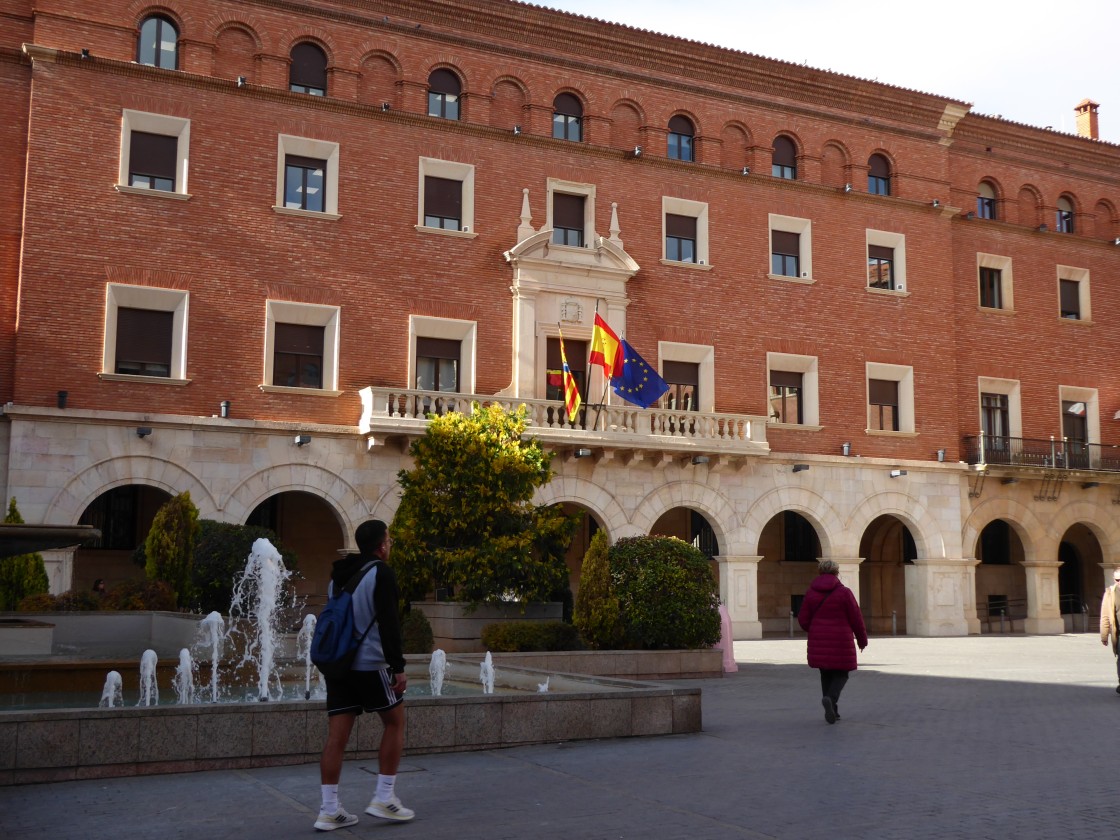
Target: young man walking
{"x":375,"y":683}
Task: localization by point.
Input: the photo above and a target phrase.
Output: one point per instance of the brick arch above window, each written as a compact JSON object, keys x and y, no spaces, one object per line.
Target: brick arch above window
{"x":223,"y":25}
{"x":182,"y":18}
{"x":508,"y":96}
{"x":1107,"y":221}
{"x":313,"y":35}
{"x":448,"y":80}
{"x":1030,"y":205}
{"x":836,"y":162}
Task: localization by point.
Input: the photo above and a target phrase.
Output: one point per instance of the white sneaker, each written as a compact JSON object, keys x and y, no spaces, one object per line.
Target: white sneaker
{"x":329,"y":822}
{"x":391,"y":810}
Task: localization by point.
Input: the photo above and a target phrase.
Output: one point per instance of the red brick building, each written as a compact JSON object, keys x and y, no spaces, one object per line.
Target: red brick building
{"x":250,"y":244}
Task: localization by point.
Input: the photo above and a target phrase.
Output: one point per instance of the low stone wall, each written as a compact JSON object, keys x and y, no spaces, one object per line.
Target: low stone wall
{"x":21,"y":636}
{"x":623,"y":664}
{"x":60,"y":745}
{"x":111,"y":633}
{"x":456,"y":628}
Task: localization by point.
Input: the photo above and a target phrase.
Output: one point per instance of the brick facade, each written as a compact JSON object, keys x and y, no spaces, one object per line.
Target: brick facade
{"x":221,"y":246}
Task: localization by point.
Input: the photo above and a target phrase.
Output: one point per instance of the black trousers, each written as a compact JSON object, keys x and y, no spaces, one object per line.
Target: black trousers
{"x":832,"y":683}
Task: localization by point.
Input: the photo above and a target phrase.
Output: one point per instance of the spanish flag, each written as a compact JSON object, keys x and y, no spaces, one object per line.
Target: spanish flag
{"x":571,"y":391}
{"x":606,"y":349}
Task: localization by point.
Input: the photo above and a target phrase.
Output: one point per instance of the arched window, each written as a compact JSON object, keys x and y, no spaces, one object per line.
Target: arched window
{"x":878,"y":175}
{"x":308,"y":72}
{"x":159,"y":43}
{"x":681,"y":133}
{"x":444,"y":89}
{"x":1064,"y":217}
{"x":567,"y":118}
{"x":986,"y":201}
{"x":784,"y":162}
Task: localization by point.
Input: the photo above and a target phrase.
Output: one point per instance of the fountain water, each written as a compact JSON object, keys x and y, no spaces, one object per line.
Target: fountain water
{"x":111,"y":694}
{"x":486,"y":674}
{"x":438,"y":668}
{"x":184,"y":679}
{"x":542,"y":688}
{"x":256,"y":599}
{"x":210,"y":630}
{"x":303,"y":651}
{"x":149,"y":688}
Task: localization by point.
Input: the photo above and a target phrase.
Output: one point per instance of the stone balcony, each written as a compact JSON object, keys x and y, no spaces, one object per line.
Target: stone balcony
{"x":607,"y":431}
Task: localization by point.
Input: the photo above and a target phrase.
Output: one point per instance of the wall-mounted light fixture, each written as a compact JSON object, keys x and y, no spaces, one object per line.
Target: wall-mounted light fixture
{"x":241,"y":80}
{"x":700,"y":459}
{"x":583,"y":452}
{"x":940,"y":454}
{"x":302,"y":440}
{"x":1088,"y":485}
{"x":385,"y":106}
{"x":970,"y":215}
{"x":746,"y":170}
{"x":847,"y":188}
{"x":936,"y":203}
{"x":223,"y":410}
{"x":143,"y":431}
{"x":846,"y":447}
{"x":85,"y":53}
{"x":800,"y":467}
{"x":1116,"y":241}
{"x":1043,"y":227}
{"x":517,"y":131}
{"x":637,"y":152}
{"x":897,"y":473}
{"x":62,"y":395}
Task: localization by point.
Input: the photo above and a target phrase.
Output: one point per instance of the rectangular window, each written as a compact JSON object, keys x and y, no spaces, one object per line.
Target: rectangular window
{"x":577,"y":363}
{"x":143,"y":346}
{"x":152,"y":160}
{"x":305,"y":183}
{"x":680,"y":238}
{"x":785,"y":253}
{"x":437,"y":364}
{"x":1070,"y":299}
{"x":443,"y":203}
{"x":786,"y":397}
{"x":567,"y":219}
{"x":297,"y":360}
{"x":991,"y":288}
{"x":995,"y":416}
{"x":882,"y":408}
{"x":683,"y":379}
{"x":986,"y":207}
{"x":880,"y":267}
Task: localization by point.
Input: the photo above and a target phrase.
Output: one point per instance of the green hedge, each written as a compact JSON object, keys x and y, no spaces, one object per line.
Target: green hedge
{"x":521,"y":636}
{"x":416,"y":632}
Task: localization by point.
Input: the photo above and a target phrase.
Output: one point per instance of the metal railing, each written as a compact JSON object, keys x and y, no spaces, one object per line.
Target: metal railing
{"x":1055,"y":453}
{"x":388,"y":409}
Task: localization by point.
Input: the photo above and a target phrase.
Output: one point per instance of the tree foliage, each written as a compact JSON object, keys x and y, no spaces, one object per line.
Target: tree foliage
{"x":666,"y":594}
{"x":466,"y":523}
{"x":596,"y":613}
{"x":220,"y":555}
{"x":22,"y":575}
{"x":169,"y":547}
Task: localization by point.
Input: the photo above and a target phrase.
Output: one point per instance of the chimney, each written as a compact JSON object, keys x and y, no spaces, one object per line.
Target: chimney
{"x":1086,"y":111}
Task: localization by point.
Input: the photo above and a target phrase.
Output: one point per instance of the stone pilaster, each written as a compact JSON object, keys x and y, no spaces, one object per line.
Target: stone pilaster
{"x":936,"y":590}
{"x":1044,"y":613}
{"x":738,"y":590}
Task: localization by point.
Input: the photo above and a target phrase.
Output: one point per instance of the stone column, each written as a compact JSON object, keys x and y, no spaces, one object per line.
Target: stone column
{"x":60,"y":569}
{"x":1044,"y":613}
{"x":936,"y":596}
{"x":971,"y":618}
{"x":738,"y":590}
{"x":849,"y":572}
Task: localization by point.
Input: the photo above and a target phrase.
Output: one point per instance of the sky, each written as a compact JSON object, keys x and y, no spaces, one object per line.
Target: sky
{"x":1025,"y":60}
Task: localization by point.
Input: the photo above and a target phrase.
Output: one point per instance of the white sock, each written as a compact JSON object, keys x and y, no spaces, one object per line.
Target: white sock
{"x":330,"y":799}
{"x":385,"y":788}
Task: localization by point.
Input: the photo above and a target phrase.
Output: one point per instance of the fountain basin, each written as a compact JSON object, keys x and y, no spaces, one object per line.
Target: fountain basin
{"x":65,"y":744}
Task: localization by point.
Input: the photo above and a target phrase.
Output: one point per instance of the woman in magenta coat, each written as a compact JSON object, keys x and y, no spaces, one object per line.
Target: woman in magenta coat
{"x":830,"y":615}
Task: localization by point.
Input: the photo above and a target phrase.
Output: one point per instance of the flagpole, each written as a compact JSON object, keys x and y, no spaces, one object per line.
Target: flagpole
{"x":606,"y":382}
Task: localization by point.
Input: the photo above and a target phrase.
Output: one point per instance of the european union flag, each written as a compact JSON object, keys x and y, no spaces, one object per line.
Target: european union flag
{"x":638,"y":383}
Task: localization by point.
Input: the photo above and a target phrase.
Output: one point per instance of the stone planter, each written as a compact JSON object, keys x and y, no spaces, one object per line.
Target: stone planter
{"x":458,"y":629}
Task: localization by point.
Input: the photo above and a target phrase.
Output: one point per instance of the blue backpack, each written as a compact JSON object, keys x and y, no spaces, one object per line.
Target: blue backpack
{"x":334,"y":644}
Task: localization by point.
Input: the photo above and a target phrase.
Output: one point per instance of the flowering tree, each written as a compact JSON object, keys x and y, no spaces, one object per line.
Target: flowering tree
{"x":466,"y":523}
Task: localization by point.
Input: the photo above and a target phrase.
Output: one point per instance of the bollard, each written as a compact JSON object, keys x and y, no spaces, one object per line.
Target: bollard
{"x":791,"y":619}
{"x":1001,"y":614}
{"x":894,"y":622}
{"x":1084,"y":618}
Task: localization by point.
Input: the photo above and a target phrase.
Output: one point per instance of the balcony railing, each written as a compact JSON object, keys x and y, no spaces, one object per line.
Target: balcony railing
{"x":1055,"y":453}
{"x":403,"y":411}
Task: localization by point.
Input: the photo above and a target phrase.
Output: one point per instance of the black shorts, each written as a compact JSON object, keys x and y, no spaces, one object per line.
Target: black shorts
{"x":362,"y":691}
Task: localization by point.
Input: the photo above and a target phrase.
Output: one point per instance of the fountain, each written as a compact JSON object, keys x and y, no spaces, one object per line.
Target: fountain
{"x":149,"y":687}
{"x":256,"y":598}
{"x":542,"y":688}
{"x":184,"y":679}
{"x":486,"y":674}
{"x":111,"y":694}
{"x":438,"y":668}
{"x":303,"y":652}
{"x":211,"y":629}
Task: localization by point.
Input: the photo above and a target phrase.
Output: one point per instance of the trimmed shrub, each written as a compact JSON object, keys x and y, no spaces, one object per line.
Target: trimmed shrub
{"x":43,"y":602}
{"x":77,"y":601}
{"x":416,"y":633}
{"x":520,"y":636}
{"x":139,"y":595}
{"x":666,"y":594}
{"x":22,"y":575}
{"x":169,"y":548}
{"x":596,"y":611}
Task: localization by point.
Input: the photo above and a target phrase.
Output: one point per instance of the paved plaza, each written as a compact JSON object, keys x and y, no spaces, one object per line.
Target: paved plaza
{"x":981,"y":737}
